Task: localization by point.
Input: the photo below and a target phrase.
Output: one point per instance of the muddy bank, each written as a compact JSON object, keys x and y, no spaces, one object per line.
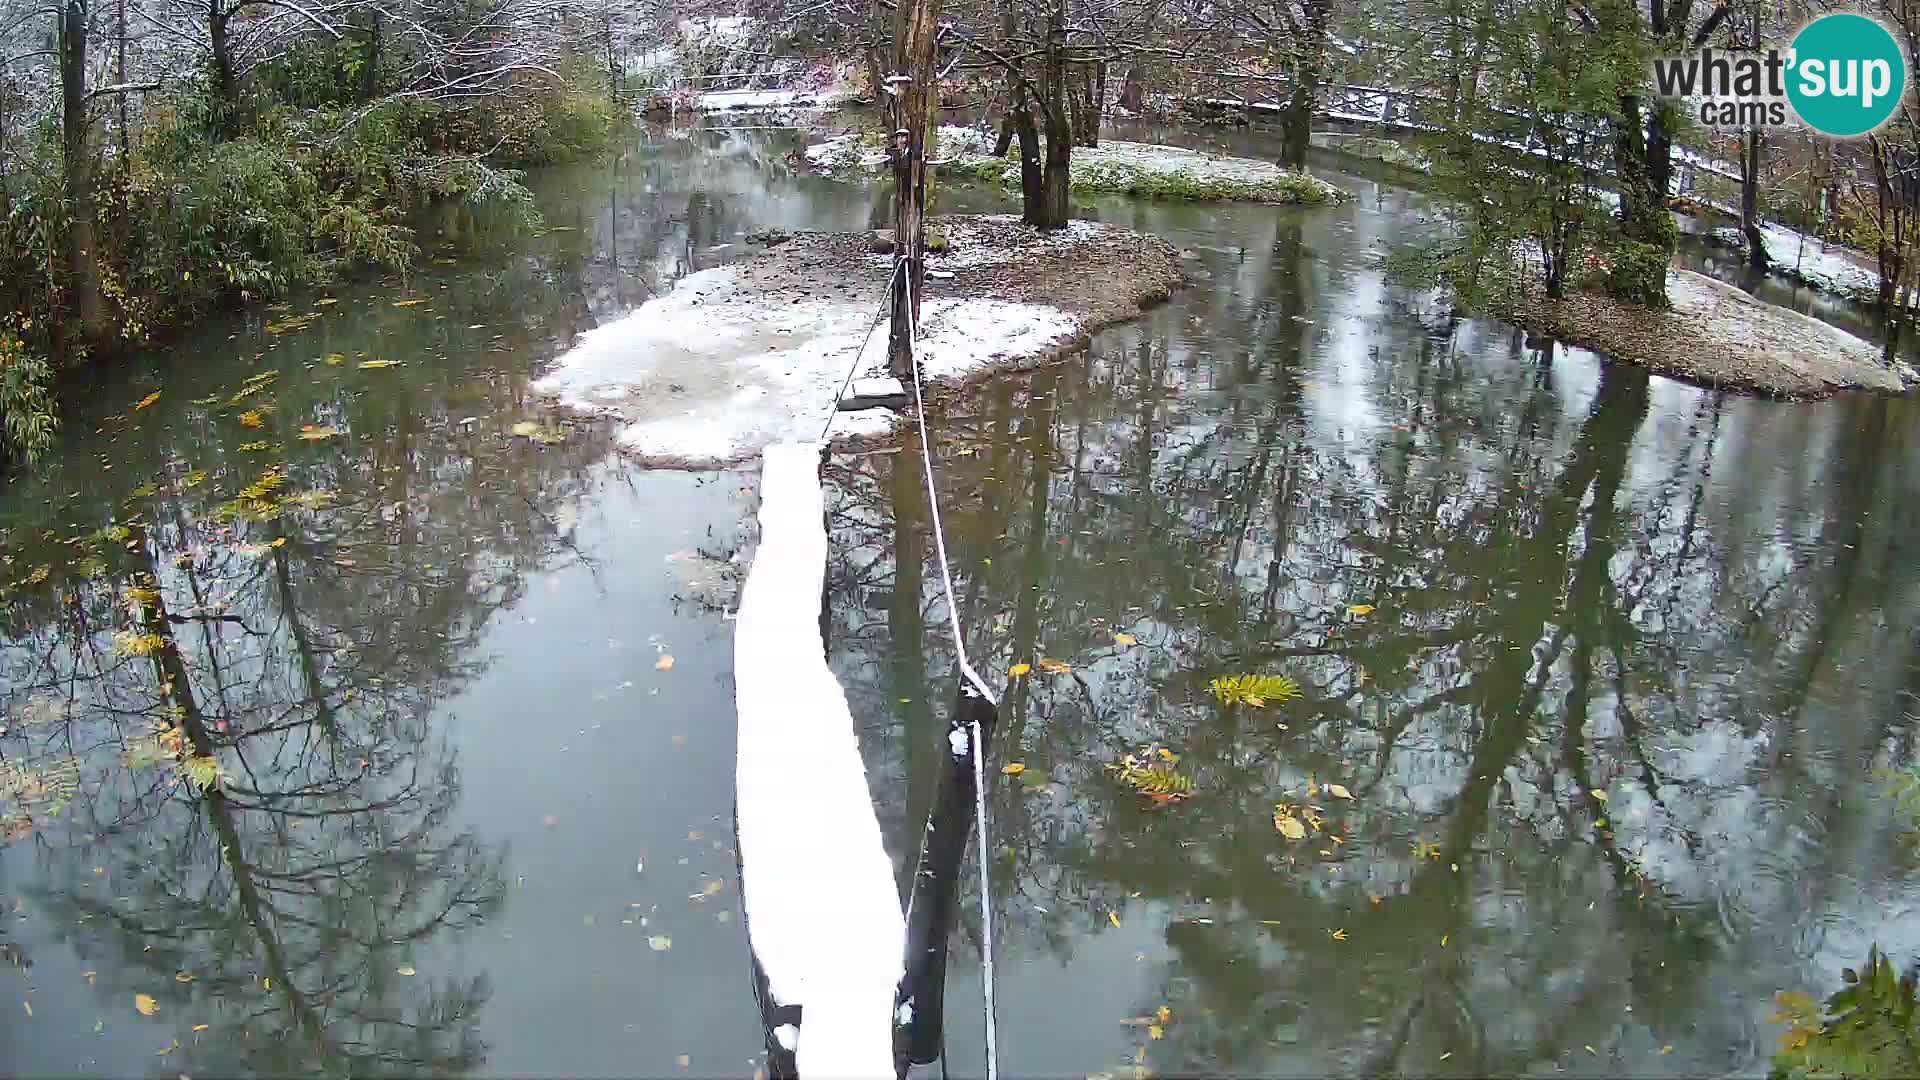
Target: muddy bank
{"x":1716,"y":335}
{"x":756,"y":351}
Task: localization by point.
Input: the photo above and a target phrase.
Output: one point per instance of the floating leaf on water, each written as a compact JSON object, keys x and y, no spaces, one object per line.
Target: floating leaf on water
{"x":252,"y":418}
{"x":1018,"y":670}
{"x":376,"y":365}
{"x":201,"y":1027}
{"x":335,"y":359}
{"x":314,"y":433}
{"x":660,"y":943}
{"x":1155,"y":1031}
{"x":1114,"y":918}
{"x":28,"y":1005}
{"x":1360,"y":611}
{"x":714,"y":887}
{"x":685,"y":1061}
{"x":1339,"y":792}
{"x":1254,"y":690}
{"x":1013,"y":768}
{"x":409,"y":303}
{"x":1125,"y":639}
{"x":146,"y":401}
{"x":665,"y":663}
{"x":1152,"y":773}
{"x":1289,"y":826}
{"x":1054,"y":667}
{"x":195,"y":478}
{"x":1164,"y":1014}
{"x":407,"y":970}
{"x":1601,"y":795}
{"x":145,"y":1004}
{"x":1338,"y":935}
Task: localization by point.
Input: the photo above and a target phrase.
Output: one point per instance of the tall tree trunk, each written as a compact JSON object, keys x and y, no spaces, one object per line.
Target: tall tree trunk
{"x":225,"y":91}
{"x":1309,"y":64}
{"x":913,"y":112}
{"x":1133,"y":91}
{"x":1099,"y":102}
{"x":83,"y":276}
{"x":370,"y":75}
{"x":1643,"y":210}
{"x":1032,"y":197}
{"x":1750,"y":201}
{"x":1055,"y":186}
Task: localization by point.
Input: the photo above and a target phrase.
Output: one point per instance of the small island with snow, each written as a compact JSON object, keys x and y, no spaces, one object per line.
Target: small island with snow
{"x":754,"y":352}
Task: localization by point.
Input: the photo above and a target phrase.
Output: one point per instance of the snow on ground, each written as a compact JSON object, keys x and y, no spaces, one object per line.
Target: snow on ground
{"x":966,"y":147}
{"x":709,"y":374}
{"x":822,"y":913}
{"x":723,"y":100}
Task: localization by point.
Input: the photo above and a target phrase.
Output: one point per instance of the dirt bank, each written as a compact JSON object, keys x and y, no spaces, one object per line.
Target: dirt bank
{"x":755,"y":352}
{"x":1716,"y":335}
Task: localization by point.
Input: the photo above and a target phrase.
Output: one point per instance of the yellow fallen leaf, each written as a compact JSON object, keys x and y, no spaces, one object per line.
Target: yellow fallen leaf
{"x":182,"y":977}
{"x":251,"y":418}
{"x":1667,"y":1049}
{"x":1592,"y":1051}
{"x":1165,"y":1014}
{"x":1601,"y":795}
{"x":375,"y":365}
{"x":266,"y":984}
{"x":311,"y":433}
{"x":407,"y":970}
{"x":1338,"y":791}
{"x":28,"y":1005}
{"x":714,"y":887}
{"x":1018,"y":670}
{"x":1155,"y":1031}
{"x":1289,"y":826}
{"x":1360,"y":611}
{"x":1013,"y":768}
{"x":1054,"y":667}
{"x":145,"y":1004}
{"x":660,"y":943}
{"x":1114,"y":918}
{"x":685,"y":1061}
{"x":665,"y":663}
{"x":326,"y":302}
{"x":146,"y":401}
{"x":409,"y":303}
{"x":1338,"y":935}
{"x":335,"y":359}
{"x":201,"y":1027}
{"x":1125,"y":639}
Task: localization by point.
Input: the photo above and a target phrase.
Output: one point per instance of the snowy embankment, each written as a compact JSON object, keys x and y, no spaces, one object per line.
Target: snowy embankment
{"x":1715,"y":335}
{"x":822,"y":914}
{"x":767,"y":100}
{"x":1125,"y":168}
{"x":755,"y":352}
{"x":1807,"y":259}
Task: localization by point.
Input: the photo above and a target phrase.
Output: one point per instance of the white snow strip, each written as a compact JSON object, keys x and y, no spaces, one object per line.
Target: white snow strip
{"x":713,"y":371}
{"x":722,"y":100}
{"x":823,"y":916}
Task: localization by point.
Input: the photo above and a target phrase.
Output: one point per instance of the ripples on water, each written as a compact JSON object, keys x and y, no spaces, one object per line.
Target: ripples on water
{"x":464,"y":801}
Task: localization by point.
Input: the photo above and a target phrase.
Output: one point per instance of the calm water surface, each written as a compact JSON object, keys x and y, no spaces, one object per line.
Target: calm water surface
{"x":1605,"y":662}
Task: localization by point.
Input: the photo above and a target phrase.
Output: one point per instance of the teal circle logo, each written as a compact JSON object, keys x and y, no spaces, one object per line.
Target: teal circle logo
{"x":1846,"y":75}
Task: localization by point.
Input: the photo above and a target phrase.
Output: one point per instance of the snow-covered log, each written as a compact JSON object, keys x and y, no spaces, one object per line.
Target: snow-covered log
{"x":823,"y":916}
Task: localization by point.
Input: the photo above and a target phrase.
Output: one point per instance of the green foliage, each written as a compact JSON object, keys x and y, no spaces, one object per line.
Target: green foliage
{"x":1867,"y":1030}
{"x":1152,"y":773}
{"x":27,"y":418}
{"x":1255,"y":690}
{"x":1631,"y":271}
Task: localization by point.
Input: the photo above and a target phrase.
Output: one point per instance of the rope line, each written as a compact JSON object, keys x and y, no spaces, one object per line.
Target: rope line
{"x":974,"y":741}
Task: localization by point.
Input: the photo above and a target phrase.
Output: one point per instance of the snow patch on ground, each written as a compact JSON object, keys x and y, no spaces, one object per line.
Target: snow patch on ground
{"x":968,"y":147}
{"x":724,"y":100}
{"x":822,"y":913}
{"x":711,"y":373}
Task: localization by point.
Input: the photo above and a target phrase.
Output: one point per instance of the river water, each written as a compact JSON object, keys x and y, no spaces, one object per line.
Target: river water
{"x":1607,"y":665}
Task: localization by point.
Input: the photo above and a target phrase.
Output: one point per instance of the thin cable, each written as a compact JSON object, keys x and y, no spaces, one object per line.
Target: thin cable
{"x":974,"y":740}
{"x":857,"y":354}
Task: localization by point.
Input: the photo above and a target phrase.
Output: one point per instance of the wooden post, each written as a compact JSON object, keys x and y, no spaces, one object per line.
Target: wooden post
{"x":913,"y":96}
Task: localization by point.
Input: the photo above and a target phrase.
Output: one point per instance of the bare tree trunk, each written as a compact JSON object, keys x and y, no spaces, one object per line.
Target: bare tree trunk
{"x":370,"y":77}
{"x":913,"y":108}
{"x":1133,"y":91}
{"x":1004,"y":141}
{"x":1032,"y":198}
{"x":225,"y":90}
{"x":1309,"y":64}
{"x":1055,"y":185}
{"x":83,"y":276}
{"x":1750,"y":201}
